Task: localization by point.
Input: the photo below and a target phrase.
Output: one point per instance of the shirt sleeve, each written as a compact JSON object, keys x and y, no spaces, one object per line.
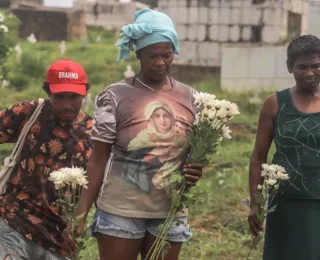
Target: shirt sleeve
{"x":13,"y":119}
{"x":104,"y":119}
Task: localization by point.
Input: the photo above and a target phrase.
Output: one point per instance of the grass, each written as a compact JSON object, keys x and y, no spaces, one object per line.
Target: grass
{"x":218,"y":219}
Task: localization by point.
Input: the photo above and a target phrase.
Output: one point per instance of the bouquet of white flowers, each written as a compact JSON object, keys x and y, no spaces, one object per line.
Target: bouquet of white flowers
{"x":209,"y":128}
{"x":68,"y":182}
{"x":273,"y":176}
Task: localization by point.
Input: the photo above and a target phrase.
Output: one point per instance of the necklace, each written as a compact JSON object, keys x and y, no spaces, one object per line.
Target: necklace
{"x":148,"y":87}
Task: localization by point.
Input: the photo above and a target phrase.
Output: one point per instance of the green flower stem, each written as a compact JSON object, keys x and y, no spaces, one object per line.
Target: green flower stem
{"x":158,"y":246}
{"x":254,"y":243}
{"x":160,"y":242}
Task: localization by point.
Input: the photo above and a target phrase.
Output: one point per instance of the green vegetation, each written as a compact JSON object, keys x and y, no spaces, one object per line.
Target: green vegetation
{"x":219,"y":218}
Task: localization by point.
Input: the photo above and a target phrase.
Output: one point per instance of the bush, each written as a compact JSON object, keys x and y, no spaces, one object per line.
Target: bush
{"x":30,"y":68}
{"x":8,"y":36}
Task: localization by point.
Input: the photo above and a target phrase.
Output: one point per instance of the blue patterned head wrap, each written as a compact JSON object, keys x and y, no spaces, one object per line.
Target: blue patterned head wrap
{"x":149,"y":27}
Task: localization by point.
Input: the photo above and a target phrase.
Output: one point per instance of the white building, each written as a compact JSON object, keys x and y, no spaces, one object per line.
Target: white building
{"x":245,"y":38}
{"x":314,"y":17}
{"x":203,"y":25}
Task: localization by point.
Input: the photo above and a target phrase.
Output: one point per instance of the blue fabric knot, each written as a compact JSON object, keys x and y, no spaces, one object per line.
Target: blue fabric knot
{"x":149,"y":27}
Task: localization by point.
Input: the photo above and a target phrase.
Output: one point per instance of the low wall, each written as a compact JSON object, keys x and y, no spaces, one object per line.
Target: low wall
{"x":51,"y":24}
{"x":254,"y":67}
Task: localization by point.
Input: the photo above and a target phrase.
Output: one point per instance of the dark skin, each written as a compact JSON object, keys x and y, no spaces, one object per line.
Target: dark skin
{"x":306,"y":98}
{"x":66,"y":107}
{"x":156,"y":61}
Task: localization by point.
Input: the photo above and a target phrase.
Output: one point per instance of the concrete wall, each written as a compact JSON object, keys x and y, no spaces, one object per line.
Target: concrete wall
{"x":50,"y":24}
{"x":203,"y":25}
{"x":254,"y":67}
{"x":4,"y":3}
{"x":314,"y":17}
{"x":26,"y":2}
{"x":112,"y":14}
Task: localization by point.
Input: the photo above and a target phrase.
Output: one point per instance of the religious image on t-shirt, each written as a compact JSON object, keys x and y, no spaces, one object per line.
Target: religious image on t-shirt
{"x":157,"y":149}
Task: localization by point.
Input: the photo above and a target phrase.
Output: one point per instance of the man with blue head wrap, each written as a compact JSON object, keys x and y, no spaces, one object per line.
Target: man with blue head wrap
{"x":149,"y":27}
{"x":133,"y":181}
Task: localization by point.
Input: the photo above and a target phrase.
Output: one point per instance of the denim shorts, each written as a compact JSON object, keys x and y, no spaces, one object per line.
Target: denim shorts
{"x":135,"y":228}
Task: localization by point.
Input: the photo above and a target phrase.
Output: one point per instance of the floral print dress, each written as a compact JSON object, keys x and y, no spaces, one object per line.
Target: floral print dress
{"x":29,"y":204}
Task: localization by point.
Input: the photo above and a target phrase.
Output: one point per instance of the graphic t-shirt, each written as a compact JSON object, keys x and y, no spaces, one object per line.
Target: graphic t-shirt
{"x":148,"y":133}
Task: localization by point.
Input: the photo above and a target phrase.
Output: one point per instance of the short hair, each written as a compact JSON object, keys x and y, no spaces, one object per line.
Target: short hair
{"x":46,"y":88}
{"x":302,"y":46}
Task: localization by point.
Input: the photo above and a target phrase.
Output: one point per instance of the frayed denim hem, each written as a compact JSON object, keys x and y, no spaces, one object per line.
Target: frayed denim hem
{"x":112,"y":230}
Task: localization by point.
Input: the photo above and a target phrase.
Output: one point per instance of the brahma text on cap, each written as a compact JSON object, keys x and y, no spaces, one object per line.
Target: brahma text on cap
{"x":68,"y":75}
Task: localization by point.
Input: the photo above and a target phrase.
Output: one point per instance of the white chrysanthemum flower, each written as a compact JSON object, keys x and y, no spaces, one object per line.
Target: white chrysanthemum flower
{"x":57,"y":177}
{"x":4,"y":28}
{"x":203,"y":98}
{"x":276,"y":186}
{"x":69,"y":176}
{"x":207,"y":98}
{"x":226,"y":132}
{"x":231,"y":108}
{"x":234,"y":110}
{"x":210,"y":105}
{"x":204,"y":115}
{"x":76,"y":176}
{"x":278,"y":168}
{"x":1,"y":18}
{"x":259,"y":187}
{"x":274,"y":171}
{"x":222,"y":114}
{"x":221,"y":182}
{"x":217,"y":104}
{"x":212,"y":115}
{"x":268,"y":168}
{"x":79,"y":177}
{"x":282,"y":176}
{"x":271,"y":182}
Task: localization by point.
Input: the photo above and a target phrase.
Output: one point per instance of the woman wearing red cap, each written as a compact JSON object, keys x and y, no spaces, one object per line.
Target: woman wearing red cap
{"x":135,"y":149}
{"x":30,"y":222}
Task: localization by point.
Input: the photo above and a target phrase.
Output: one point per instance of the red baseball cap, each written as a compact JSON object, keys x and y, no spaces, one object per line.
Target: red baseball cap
{"x":67,"y":76}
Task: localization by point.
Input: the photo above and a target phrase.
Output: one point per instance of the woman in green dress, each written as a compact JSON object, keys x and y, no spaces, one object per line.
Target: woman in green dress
{"x":291,"y":119}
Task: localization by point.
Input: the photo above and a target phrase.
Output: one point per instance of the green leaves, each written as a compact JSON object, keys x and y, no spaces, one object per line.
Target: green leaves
{"x":259,"y":198}
{"x":203,"y":141}
{"x":165,"y":250}
{"x":176,"y":198}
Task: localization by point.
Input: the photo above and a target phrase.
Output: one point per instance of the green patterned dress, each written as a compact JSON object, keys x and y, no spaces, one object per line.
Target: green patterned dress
{"x":293,"y":229}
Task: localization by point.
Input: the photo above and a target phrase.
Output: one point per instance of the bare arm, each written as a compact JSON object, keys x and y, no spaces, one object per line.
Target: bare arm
{"x":96,"y":169}
{"x":259,"y":156}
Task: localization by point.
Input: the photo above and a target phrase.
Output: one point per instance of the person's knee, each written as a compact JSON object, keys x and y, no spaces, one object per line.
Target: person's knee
{"x":7,"y":257}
